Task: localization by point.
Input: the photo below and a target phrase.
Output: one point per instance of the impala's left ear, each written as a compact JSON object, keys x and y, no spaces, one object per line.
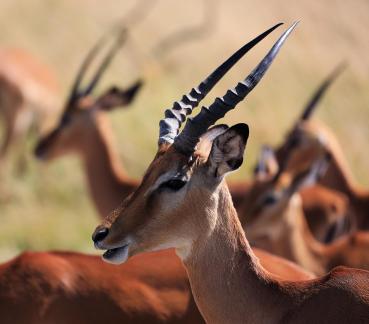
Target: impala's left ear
{"x":116,"y":97}
{"x":227,"y":151}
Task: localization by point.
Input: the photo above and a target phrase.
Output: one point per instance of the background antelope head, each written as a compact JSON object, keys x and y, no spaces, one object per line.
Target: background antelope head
{"x":295,"y":136}
{"x":272,"y":202}
{"x":76,"y":122}
{"x":186,"y":176}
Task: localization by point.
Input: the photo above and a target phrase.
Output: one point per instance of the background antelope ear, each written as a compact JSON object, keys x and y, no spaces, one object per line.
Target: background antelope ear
{"x":266,"y":165}
{"x":227,"y":150}
{"x":116,"y":97}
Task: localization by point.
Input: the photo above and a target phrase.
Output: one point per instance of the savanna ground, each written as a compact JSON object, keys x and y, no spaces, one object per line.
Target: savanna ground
{"x":48,"y":207}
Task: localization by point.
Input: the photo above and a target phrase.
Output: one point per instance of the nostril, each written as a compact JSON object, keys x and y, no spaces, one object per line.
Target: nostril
{"x":100,"y":234}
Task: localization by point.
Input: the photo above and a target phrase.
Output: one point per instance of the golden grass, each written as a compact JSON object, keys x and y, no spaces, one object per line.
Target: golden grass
{"x":48,"y":208}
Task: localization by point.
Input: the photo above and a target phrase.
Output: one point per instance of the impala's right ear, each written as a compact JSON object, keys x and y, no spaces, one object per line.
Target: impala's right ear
{"x":116,"y":97}
{"x":227,"y":150}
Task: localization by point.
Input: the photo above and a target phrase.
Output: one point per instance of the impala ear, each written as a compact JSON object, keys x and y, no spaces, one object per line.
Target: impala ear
{"x":116,"y":97}
{"x":204,"y":146}
{"x":267,"y":164}
{"x":227,"y":150}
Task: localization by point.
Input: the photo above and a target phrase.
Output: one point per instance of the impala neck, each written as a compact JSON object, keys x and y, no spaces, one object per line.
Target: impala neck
{"x":108,"y":183}
{"x":227,"y":280}
{"x":301,"y":246}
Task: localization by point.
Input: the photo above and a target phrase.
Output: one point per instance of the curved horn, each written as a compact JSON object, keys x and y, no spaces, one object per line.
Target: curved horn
{"x":85,"y":64}
{"x":318,"y":94}
{"x":122,"y":36}
{"x":176,"y":115}
{"x":195,"y":127}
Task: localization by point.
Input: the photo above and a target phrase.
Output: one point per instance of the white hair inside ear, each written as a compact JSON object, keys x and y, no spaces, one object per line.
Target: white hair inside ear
{"x":206,"y":140}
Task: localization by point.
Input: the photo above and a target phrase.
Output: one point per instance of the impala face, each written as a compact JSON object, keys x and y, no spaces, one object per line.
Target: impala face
{"x":73,"y":131}
{"x":305,"y":162}
{"x":81,"y":109}
{"x":161,"y":213}
{"x":178,"y":199}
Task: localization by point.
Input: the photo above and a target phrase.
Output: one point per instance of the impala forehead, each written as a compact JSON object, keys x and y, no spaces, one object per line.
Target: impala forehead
{"x":169,"y":166}
{"x":171,"y":174}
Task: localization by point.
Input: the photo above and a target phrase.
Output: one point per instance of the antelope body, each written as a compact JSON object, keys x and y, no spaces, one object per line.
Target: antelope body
{"x":28,"y":94}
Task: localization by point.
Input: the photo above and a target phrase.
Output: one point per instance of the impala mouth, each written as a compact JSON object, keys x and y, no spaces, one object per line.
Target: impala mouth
{"x":117,"y":255}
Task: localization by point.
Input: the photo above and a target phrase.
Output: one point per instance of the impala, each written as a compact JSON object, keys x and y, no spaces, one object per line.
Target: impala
{"x":84,"y":121}
{"x":28,"y":95}
{"x":316,"y":134}
{"x":61,"y":287}
{"x":183,"y":202}
{"x":274,"y":220}
{"x":324,"y":205}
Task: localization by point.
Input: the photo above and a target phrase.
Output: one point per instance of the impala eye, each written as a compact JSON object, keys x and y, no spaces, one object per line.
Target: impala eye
{"x":174,"y":184}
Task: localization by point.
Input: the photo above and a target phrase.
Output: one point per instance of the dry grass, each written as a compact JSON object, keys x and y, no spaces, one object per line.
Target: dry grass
{"x":48,"y":207}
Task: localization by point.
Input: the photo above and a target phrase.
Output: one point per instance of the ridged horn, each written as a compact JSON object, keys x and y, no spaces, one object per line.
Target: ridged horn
{"x":198,"y":125}
{"x":76,"y":90}
{"x":176,"y":115}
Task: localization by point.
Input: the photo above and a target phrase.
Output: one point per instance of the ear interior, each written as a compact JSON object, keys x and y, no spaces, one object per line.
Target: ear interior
{"x":227,"y":150}
{"x":204,"y":146}
{"x":117,"y":97}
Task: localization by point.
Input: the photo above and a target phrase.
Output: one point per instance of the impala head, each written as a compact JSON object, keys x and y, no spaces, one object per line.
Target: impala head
{"x":82,"y":107}
{"x":269,"y":197}
{"x":185,"y":179}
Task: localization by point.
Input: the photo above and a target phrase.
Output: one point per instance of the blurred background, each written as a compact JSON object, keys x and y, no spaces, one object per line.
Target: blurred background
{"x":47,"y":206}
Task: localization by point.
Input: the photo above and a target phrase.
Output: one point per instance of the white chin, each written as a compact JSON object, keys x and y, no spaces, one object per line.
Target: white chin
{"x":116,"y":256}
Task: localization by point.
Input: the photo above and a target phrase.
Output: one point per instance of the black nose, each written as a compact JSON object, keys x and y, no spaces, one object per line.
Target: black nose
{"x":99,"y":234}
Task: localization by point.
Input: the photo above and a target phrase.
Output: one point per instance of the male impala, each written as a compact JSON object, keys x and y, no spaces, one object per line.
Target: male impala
{"x":183,"y":202}
{"x":28,"y":94}
{"x":316,"y":134}
{"x":84,"y":121}
{"x":153,"y":288}
{"x":324,"y":204}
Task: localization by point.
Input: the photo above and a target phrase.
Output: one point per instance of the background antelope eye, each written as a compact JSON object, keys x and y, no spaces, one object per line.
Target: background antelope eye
{"x":174,"y":184}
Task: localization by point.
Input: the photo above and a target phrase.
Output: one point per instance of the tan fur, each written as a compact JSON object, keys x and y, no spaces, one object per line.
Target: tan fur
{"x":28,"y":93}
